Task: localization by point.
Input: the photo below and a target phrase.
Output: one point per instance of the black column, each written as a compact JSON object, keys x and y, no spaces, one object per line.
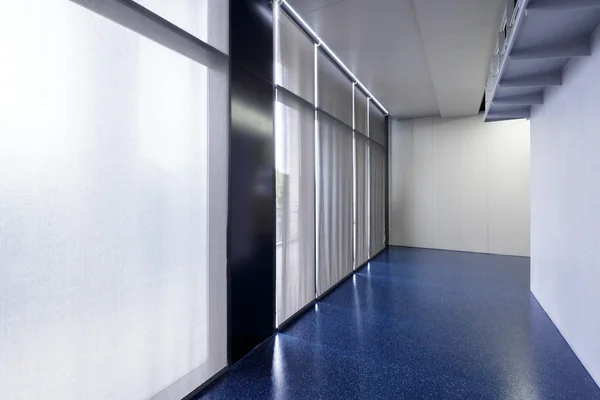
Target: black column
{"x":251,"y":222}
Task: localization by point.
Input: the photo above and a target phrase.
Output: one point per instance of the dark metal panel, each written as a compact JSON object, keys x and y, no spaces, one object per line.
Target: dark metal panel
{"x":251,"y":225}
{"x":251,"y":36}
{"x":251,"y":221}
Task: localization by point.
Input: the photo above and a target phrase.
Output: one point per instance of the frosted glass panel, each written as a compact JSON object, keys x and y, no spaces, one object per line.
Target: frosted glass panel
{"x":205,"y":19}
{"x":103,"y":177}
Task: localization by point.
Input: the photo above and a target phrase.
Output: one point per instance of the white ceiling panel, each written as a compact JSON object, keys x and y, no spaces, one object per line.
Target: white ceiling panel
{"x":459,"y":38}
{"x":418,"y":57}
{"x":304,"y":6}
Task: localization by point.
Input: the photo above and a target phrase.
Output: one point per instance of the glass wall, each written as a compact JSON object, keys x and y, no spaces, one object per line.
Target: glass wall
{"x":377,"y":179}
{"x":295,"y":169}
{"x":334,"y":203}
{"x":113,"y":148}
{"x":361,"y":179}
{"x":334,"y":174}
{"x":330,"y":177}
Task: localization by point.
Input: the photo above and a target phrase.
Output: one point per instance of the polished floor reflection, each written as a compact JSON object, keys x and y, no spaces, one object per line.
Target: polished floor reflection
{"x":418,"y":324}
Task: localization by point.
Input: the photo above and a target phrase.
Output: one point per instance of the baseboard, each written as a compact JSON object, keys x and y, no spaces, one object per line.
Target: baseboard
{"x":206,"y":384}
{"x":295,"y":316}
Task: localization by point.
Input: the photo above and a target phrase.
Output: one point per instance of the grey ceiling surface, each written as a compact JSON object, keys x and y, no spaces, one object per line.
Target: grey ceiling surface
{"x":418,"y":57}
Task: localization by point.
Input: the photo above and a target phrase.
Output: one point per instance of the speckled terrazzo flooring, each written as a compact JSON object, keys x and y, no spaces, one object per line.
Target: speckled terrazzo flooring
{"x":417,"y":324}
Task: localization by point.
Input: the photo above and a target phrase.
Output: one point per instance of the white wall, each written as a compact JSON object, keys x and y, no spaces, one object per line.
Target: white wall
{"x":460,"y":184}
{"x":565,"y":203}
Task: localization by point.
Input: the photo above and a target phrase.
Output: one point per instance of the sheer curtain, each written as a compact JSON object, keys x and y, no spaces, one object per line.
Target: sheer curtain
{"x":361,"y":179}
{"x":377,"y":203}
{"x":335,"y":90}
{"x":334,"y":202}
{"x":361,"y":219}
{"x":113,"y":149}
{"x":350,"y":189}
{"x":295,"y":165}
{"x":377,"y":178}
{"x":334,"y":175}
{"x":295,"y":69}
{"x":295,"y":136}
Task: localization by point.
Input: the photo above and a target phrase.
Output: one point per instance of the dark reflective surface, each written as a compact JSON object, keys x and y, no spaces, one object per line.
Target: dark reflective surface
{"x":251,"y":230}
{"x":251,"y":36}
{"x":251,"y":221}
{"x":418,"y":324}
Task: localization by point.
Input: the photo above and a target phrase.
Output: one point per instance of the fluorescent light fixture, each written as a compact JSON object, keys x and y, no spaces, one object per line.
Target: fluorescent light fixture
{"x":306,"y":27}
{"x":290,"y":10}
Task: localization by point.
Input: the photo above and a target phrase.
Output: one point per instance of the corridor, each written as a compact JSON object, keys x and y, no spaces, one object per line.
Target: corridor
{"x":417,"y":324}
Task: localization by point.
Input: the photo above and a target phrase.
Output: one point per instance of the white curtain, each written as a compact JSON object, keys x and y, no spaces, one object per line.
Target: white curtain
{"x":361,"y":193}
{"x":377,"y":177}
{"x":335,"y":90}
{"x":113,"y":149}
{"x":295,"y":167}
{"x":295,"y":58}
{"x":295,"y":164}
{"x":335,"y":188}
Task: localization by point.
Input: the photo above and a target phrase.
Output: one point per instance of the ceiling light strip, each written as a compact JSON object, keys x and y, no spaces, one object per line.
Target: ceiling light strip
{"x":294,"y":14}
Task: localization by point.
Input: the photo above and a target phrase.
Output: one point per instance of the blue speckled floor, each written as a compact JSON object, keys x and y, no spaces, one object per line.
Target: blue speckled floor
{"x":418,"y":324}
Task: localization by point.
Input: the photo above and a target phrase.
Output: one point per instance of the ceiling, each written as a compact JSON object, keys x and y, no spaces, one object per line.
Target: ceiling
{"x":417,"y":57}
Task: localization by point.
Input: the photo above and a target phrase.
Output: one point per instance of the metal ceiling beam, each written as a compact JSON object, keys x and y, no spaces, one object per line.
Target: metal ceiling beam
{"x":498,"y":119}
{"x":562,"y":5}
{"x":579,"y":48}
{"x":533,"y":81}
{"x":517,"y":113}
{"x":139,"y":19}
{"x":521,"y":100}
